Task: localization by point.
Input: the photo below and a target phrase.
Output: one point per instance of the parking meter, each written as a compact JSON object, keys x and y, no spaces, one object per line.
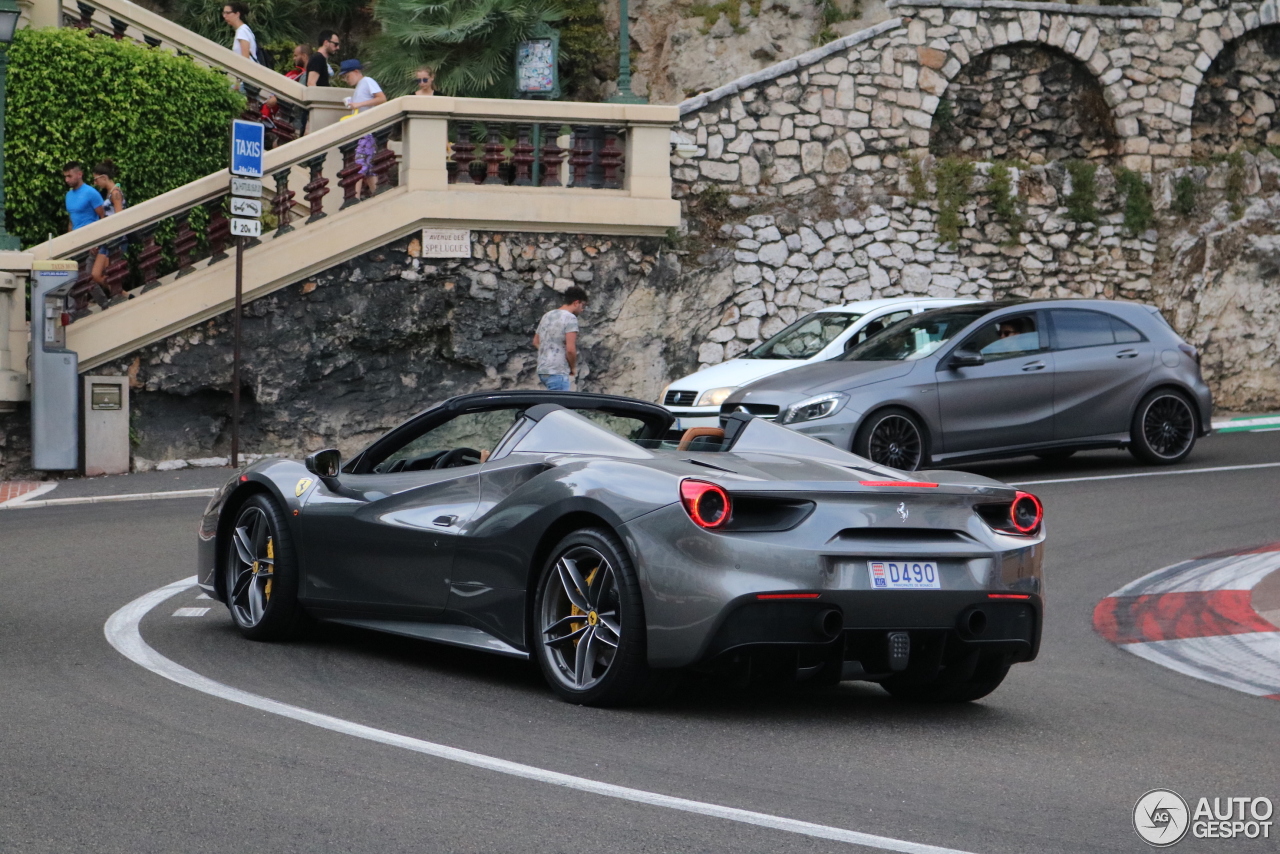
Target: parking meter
{"x":55,"y":387}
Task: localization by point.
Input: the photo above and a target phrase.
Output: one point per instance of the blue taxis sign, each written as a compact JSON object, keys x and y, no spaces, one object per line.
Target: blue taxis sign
{"x":247,"y":148}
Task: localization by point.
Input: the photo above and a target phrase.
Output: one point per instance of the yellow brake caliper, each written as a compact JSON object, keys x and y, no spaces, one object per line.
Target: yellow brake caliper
{"x":575,"y":611}
{"x":271,"y":555}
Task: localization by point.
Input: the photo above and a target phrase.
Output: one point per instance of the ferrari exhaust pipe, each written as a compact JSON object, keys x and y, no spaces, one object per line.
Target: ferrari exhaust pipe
{"x":828,"y":624}
{"x":973,"y":623}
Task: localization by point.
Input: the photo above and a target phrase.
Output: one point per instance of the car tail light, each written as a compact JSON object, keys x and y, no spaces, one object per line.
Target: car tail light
{"x":1026,"y":513}
{"x":708,"y":505}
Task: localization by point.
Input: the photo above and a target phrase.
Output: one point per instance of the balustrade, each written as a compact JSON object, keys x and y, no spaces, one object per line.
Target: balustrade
{"x":183,"y":237}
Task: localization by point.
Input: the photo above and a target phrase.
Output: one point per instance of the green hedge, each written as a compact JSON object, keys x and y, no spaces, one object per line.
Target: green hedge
{"x":163,"y":119}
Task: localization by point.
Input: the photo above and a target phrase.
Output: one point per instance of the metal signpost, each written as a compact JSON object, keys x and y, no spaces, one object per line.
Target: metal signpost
{"x":247,"y":148}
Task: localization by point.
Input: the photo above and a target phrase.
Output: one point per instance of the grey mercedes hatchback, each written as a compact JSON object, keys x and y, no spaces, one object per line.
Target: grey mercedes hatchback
{"x":999,"y":379}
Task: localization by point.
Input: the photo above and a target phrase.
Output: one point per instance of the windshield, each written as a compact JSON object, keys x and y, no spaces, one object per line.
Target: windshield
{"x":805,"y":338}
{"x":915,"y":337}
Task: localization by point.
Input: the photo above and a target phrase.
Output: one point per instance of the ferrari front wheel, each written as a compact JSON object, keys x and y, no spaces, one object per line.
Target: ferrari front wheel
{"x":260,"y":580}
{"x":590,"y":641}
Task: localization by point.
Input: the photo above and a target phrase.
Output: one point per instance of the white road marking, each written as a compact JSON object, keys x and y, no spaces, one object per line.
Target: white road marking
{"x":1246,"y":662}
{"x":1242,"y":424}
{"x":191,"y":612}
{"x":1146,"y":474}
{"x":1205,"y":575}
{"x":27,"y":496}
{"x":122,"y":631}
{"x":103,"y":499}
{"x":204,"y":596}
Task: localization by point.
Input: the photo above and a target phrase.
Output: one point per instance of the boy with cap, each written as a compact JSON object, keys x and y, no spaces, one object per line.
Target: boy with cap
{"x":368,"y":94}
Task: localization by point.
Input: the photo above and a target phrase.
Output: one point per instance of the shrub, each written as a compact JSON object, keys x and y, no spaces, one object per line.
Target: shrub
{"x":1083,"y":197}
{"x":916,"y":178}
{"x":953,"y":176}
{"x":1235,"y":183}
{"x":1004,"y":199}
{"x":1138,"y":212}
{"x":470,"y":43}
{"x":1184,"y":195}
{"x":163,"y":119}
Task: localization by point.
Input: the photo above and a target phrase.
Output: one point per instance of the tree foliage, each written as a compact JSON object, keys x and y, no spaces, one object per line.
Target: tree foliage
{"x":278,"y":25}
{"x":161,"y":118}
{"x":470,"y":43}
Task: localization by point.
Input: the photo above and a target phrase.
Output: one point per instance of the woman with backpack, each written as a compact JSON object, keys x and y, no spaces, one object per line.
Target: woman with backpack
{"x":245,"y":43}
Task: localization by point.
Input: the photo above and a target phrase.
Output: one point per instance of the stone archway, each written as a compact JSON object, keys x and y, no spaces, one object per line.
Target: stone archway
{"x":1236,"y":102}
{"x":1025,"y":101}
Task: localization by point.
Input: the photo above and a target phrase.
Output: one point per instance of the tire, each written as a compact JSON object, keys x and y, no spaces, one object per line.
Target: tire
{"x":260,"y":573}
{"x":970,"y":678}
{"x":894,"y":438}
{"x":600,"y":659}
{"x":1055,"y":456}
{"x":1164,"y":428}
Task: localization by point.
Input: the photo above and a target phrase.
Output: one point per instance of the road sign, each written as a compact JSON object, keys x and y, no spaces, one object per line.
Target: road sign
{"x":247,"y":147}
{"x":250,"y":187}
{"x":246,"y":227}
{"x":246,"y":207}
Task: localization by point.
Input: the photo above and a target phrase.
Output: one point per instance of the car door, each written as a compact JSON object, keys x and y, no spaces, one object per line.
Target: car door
{"x":1008,"y":400}
{"x":384,"y":541}
{"x":1100,"y":366}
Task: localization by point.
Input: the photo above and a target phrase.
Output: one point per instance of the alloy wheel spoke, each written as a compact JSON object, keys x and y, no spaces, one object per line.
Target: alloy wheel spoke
{"x":584,"y":659}
{"x":242,"y":582}
{"x":562,"y":622}
{"x":604,"y":583}
{"x":574,"y":635}
{"x":610,"y":622}
{"x":244,"y":548}
{"x":571,"y":580}
{"x":256,"y":603}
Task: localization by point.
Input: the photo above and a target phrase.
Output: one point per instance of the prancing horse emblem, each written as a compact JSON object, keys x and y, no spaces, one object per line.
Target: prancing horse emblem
{"x":903,"y":511}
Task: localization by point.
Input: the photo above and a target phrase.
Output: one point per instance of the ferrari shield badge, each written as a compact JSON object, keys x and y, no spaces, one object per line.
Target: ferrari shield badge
{"x":303,"y":486}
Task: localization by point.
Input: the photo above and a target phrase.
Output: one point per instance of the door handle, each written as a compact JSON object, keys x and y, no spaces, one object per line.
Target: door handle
{"x":444,"y":521}
{"x":1127,"y":354}
{"x":1034,"y":366}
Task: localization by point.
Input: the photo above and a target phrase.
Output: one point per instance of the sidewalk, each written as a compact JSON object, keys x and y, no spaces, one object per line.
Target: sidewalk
{"x":186,"y":483}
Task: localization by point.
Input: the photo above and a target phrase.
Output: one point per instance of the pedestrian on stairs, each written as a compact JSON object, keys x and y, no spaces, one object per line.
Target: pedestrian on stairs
{"x":557,"y":341}
{"x":368,"y":94}
{"x":84,"y":204}
{"x":318,"y":68}
{"x":245,"y":43}
{"x":104,"y":178}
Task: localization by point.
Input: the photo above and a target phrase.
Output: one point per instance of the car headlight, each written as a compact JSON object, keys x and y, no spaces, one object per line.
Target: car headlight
{"x":822,"y":406}
{"x":716,"y":396}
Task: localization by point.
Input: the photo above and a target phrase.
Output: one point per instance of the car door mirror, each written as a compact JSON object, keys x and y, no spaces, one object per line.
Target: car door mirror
{"x":324,"y":464}
{"x":966,"y":359}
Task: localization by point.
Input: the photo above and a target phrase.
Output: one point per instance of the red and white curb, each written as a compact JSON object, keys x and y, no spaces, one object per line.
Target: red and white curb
{"x":1214,"y":618}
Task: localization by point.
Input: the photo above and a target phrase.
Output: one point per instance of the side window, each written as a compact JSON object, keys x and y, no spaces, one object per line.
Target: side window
{"x":1125,"y":334}
{"x":479,"y":432}
{"x":1075,"y":328}
{"x":1010,"y":336}
{"x":876,"y":326}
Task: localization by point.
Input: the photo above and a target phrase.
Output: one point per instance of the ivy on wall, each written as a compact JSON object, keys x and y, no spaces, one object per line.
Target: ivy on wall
{"x":1082,"y":201}
{"x":163,"y":120}
{"x":953,"y":176}
{"x":1139,"y":213}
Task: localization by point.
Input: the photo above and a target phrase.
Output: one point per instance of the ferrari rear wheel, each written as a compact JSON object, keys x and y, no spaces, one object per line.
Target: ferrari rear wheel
{"x":590,"y":622}
{"x":970,"y":678}
{"x":261,"y":572}
{"x":894,"y":438}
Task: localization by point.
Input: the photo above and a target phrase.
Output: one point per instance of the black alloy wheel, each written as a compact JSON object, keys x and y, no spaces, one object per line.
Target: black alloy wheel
{"x":893,"y":438}
{"x":260,"y":572}
{"x":589,"y":619}
{"x":1163,"y":429}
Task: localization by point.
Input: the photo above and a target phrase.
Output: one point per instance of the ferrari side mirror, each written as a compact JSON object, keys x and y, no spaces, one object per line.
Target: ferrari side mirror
{"x":966,"y":359}
{"x":325,"y":464}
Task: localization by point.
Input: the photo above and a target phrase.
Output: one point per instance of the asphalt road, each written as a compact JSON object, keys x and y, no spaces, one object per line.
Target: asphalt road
{"x":98,"y":754}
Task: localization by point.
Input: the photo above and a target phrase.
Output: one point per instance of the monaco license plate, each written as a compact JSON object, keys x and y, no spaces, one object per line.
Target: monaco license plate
{"x":904,"y":575}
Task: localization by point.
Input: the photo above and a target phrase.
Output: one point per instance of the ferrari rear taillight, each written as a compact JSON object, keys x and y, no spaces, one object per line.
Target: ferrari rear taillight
{"x":708,"y":505}
{"x":1026,"y":513}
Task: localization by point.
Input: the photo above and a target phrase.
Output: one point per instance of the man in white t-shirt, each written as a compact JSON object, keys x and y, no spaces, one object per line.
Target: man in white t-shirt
{"x":368,"y":94}
{"x":557,"y":341}
{"x":245,"y":44}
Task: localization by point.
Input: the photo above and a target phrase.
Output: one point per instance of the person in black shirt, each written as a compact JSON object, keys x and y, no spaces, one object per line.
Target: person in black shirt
{"x":318,"y":69}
